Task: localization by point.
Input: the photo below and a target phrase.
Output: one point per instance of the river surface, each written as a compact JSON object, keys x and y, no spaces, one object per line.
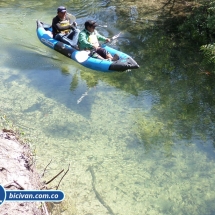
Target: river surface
{"x":138,"y":142}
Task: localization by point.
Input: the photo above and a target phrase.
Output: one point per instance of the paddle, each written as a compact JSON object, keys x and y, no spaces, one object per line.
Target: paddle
{"x":102,"y":26}
{"x":81,"y":56}
{"x":116,"y":36}
{"x":72,"y":17}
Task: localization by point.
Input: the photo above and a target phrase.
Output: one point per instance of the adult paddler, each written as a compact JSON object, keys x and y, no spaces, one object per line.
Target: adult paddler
{"x":64,"y":28}
{"x":89,"y":40}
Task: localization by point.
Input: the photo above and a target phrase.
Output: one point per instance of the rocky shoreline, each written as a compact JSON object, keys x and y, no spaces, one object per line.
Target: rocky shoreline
{"x":18,"y":172}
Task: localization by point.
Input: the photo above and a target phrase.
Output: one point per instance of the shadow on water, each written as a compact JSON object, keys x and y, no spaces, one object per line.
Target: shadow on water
{"x":171,"y":69}
{"x":54,"y":82}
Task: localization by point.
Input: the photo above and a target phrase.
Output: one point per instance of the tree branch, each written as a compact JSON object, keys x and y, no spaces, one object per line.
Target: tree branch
{"x":54,"y":177}
{"x":46,"y":168}
{"x":63,"y":177}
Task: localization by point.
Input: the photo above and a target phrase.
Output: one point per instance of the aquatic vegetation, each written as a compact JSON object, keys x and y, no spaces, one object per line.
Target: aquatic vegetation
{"x":74,"y":82}
{"x":153,"y":133}
{"x":147,"y":135}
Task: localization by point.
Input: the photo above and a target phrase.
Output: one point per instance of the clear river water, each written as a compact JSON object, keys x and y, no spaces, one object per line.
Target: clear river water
{"x":139,"y":142}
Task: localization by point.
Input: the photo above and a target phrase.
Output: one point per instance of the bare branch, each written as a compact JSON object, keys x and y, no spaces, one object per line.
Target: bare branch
{"x":63,"y":177}
{"x":46,"y":168}
{"x":3,"y":168}
{"x":54,"y":177}
{"x":21,"y":186}
{"x":7,"y":184}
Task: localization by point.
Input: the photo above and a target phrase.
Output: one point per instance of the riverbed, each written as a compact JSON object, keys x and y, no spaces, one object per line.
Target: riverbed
{"x":138,"y":142}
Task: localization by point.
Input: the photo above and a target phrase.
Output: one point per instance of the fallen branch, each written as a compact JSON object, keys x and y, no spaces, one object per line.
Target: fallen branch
{"x":3,"y":168}
{"x":7,"y":184}
{"x":63,"y":177}
{"x":14,"y":183}
{"x":21,"y":186}
{"x":54,"y":177}
{"x":98,"y":196}
{"x":43,"y":187}
{"x":46,"y":168}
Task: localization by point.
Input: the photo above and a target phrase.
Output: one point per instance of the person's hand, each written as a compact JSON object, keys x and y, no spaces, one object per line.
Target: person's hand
{"x":75,"y":24}
{"x":72,"y":26}
{"x":107,"y":40}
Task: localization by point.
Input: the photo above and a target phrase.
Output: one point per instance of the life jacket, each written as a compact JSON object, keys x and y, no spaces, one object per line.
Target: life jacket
{"x":65,"y":23}
{"x":93,"y":40}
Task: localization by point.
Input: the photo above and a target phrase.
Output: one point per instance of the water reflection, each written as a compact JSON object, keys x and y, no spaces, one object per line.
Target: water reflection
{"x":146,"y":135}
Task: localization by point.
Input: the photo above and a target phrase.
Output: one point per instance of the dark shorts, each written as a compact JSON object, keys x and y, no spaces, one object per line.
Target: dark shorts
{"x":102,"y":52}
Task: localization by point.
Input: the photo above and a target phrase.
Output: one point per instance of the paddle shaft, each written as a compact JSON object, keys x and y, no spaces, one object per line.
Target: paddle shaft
{"x":114,"y":37}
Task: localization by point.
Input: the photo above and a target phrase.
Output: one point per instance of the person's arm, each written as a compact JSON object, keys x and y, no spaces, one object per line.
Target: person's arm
{"x":101,"y":38}
{"x":62,"y":28}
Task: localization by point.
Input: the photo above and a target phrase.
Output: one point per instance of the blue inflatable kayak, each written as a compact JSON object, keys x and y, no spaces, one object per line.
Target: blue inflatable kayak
{"x":124,"y":63}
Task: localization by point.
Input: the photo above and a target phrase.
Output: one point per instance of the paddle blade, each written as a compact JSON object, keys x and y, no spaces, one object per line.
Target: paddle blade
{"x":81,"y":56}
{"x":116,"y":36}
{"x":72,"y":17}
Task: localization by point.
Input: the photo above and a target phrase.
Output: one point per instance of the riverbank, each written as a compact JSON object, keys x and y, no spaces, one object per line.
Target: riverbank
{"x":18,"y":172}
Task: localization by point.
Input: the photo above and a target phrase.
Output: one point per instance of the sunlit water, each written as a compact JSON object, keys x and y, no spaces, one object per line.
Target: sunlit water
{"x":132,"y":146}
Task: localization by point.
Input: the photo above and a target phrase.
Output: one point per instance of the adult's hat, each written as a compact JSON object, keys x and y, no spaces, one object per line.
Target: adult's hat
{"x":61,"y":9}
{"x":90,"y":23}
